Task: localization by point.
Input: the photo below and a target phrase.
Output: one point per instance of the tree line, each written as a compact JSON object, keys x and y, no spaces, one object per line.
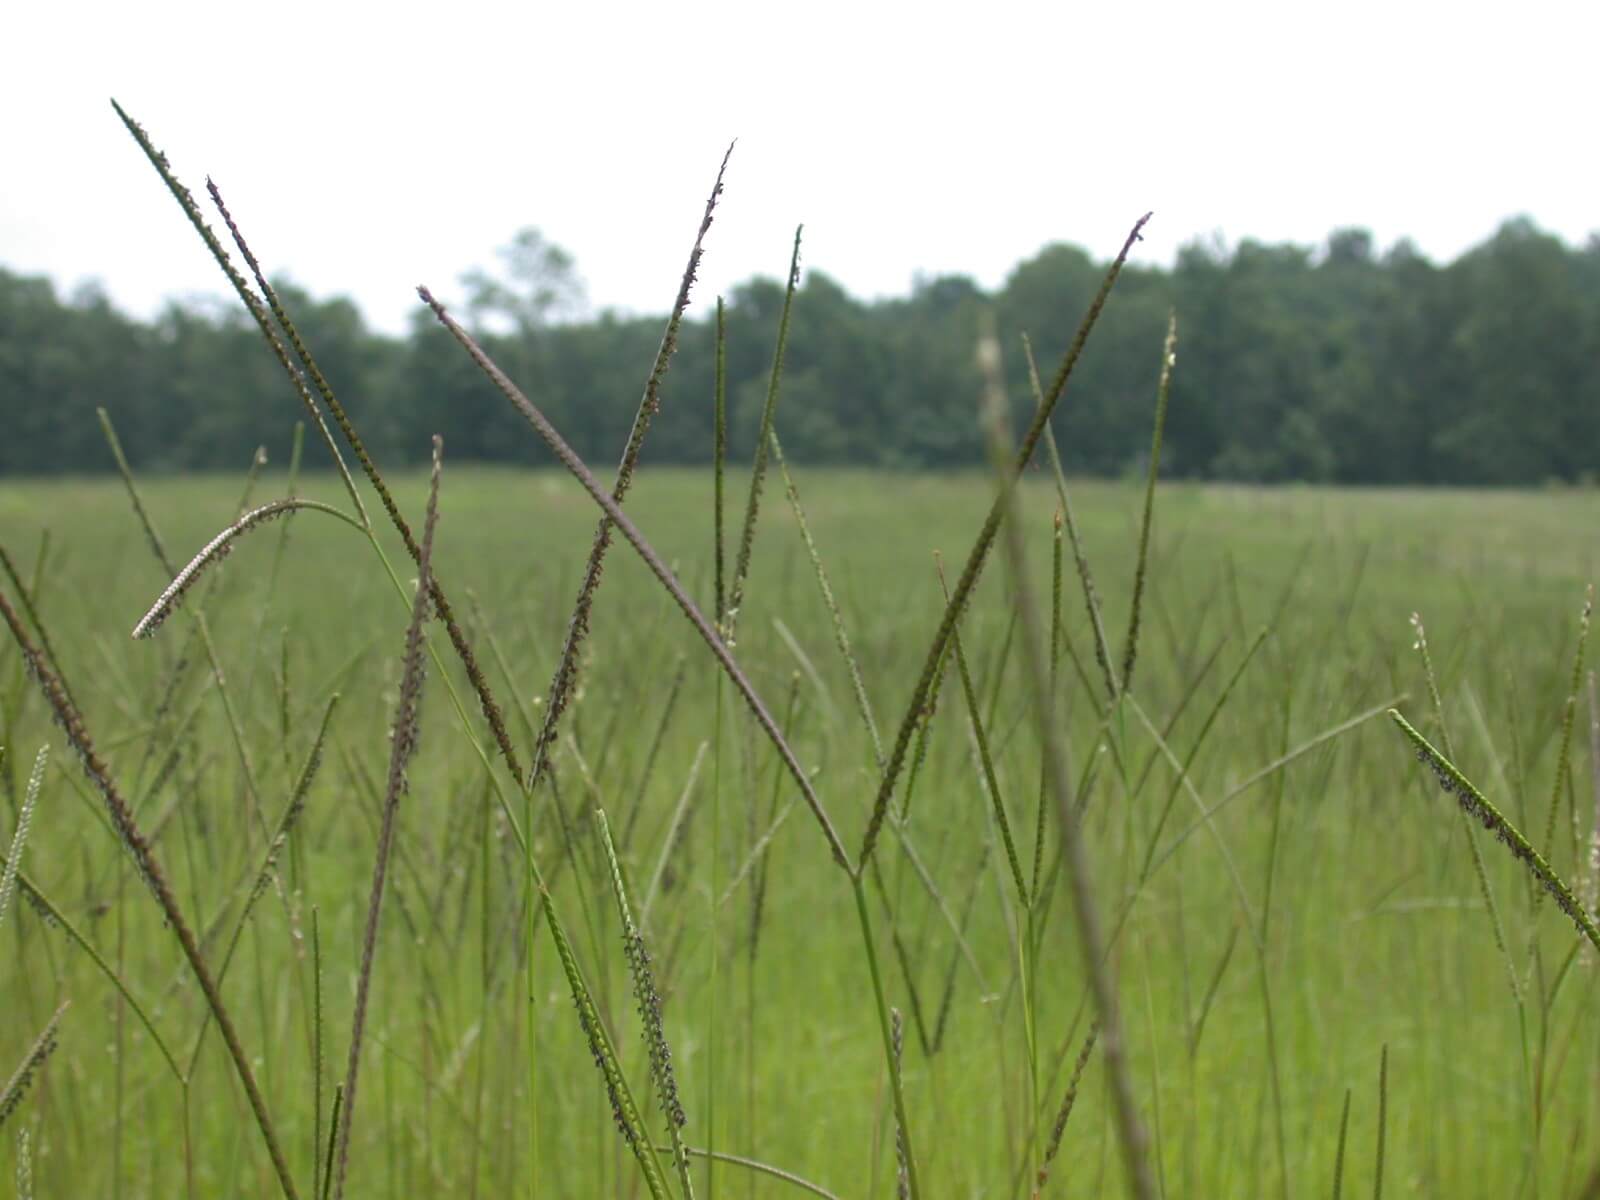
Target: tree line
{"x":1337,"y":363}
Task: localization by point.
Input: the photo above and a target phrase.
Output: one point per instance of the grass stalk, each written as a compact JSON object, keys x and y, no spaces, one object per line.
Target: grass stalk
{"x":564,"y":683}
{"x":403,"y":744}
{"x":719,"y":455}
{"x":840,"y":635}
{"x":277,"y":839}
{"x":1130,"y":1130}
{"x":623,"y":1109}
{"x":724,"y":629}
{"x":1591,"y":894}
{"x":1080,"y":558}
{"x":157,"y":546}
{"x":19,"y":835}
{"x":264,"y":323}
{"x":217,"y":549}
{"x":714,"y":938}
{"x":1057,"y":637}
{"x":318,"y":1057}
{"x":1478,"y":869}
{"x":52,"y":914}
{"x":25,"y":599}
{"x":1026,"y":898}
{"x":653,"y":1027}
{"x":902,"y":1167}
{"x":758,"y":469}
{"x":143,"y":855}
{"x":1476,"y":805}
{"x":1383,"y":1121}
{"x":979,"y":554}
{"x":653,"y":561}
{"x":1207,"y":816}
{"x":191,"y":210}
{"x":986,"y":761}
{"x":1059,"y":1128}
{"x":480,"y":684}
{"x":334,"y":1113}
{"x":1569,"y":711}
{"x":1338,"y":1157}
{"x":886,"y":1031}
{"x":14,"y":1088}
{"x":1169,"y":360}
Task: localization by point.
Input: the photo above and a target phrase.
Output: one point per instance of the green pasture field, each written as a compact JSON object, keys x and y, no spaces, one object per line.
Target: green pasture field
{"x":1265,"y":959}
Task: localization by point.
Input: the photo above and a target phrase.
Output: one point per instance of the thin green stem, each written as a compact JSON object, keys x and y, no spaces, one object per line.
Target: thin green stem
{"x":895,"y":1083}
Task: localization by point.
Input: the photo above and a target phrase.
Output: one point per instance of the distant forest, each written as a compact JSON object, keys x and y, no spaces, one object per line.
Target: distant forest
{"x":1338,"y":363}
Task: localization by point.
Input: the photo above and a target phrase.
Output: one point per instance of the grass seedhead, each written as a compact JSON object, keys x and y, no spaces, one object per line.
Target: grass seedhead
{"x":480,"y":684}
{"x":264,"y":322}
{"x":1478,"y":870}
{"x":758,"y":469}
{"x":32,"y":1062}
{"x":933,"y":663}
{"x":565,"y":682}
{"x":713,"y":640}
{"x":1169,"y":360}
{"x":216,"y":550}
{"x":648,"y":1000}
{"x":1477,"y":806}
{"x":623,"y":1110}
{"x":241,"y":287}
{"x":1053,"y":1147}
{"x":139,"y":849}
{"x":19,"y":836}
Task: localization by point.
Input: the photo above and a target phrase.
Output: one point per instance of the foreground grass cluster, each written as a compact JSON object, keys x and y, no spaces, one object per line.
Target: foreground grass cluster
{"x":460,"y":891}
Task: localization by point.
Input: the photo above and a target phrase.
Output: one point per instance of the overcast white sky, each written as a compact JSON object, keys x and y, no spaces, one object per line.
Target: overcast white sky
{"x":368,"y":147}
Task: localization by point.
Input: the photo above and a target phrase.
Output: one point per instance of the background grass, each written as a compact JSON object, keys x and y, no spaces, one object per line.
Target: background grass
{"x":1374,"y":933}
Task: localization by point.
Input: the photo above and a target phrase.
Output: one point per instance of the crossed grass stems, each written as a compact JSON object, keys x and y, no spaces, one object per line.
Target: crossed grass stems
{"x":1041,"y":638}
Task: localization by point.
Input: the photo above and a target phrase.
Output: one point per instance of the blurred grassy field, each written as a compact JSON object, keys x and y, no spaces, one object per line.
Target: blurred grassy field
{"x":1330,"y":910}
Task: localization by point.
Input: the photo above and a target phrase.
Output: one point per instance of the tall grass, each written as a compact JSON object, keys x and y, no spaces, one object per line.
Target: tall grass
{"x":940,"y":1010}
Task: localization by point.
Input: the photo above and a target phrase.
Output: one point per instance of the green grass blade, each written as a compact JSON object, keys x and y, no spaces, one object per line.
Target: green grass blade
{"x":840,"y":635}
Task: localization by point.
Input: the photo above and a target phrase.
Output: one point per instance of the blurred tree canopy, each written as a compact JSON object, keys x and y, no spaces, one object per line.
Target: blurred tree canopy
{"x":1339,"y":363}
